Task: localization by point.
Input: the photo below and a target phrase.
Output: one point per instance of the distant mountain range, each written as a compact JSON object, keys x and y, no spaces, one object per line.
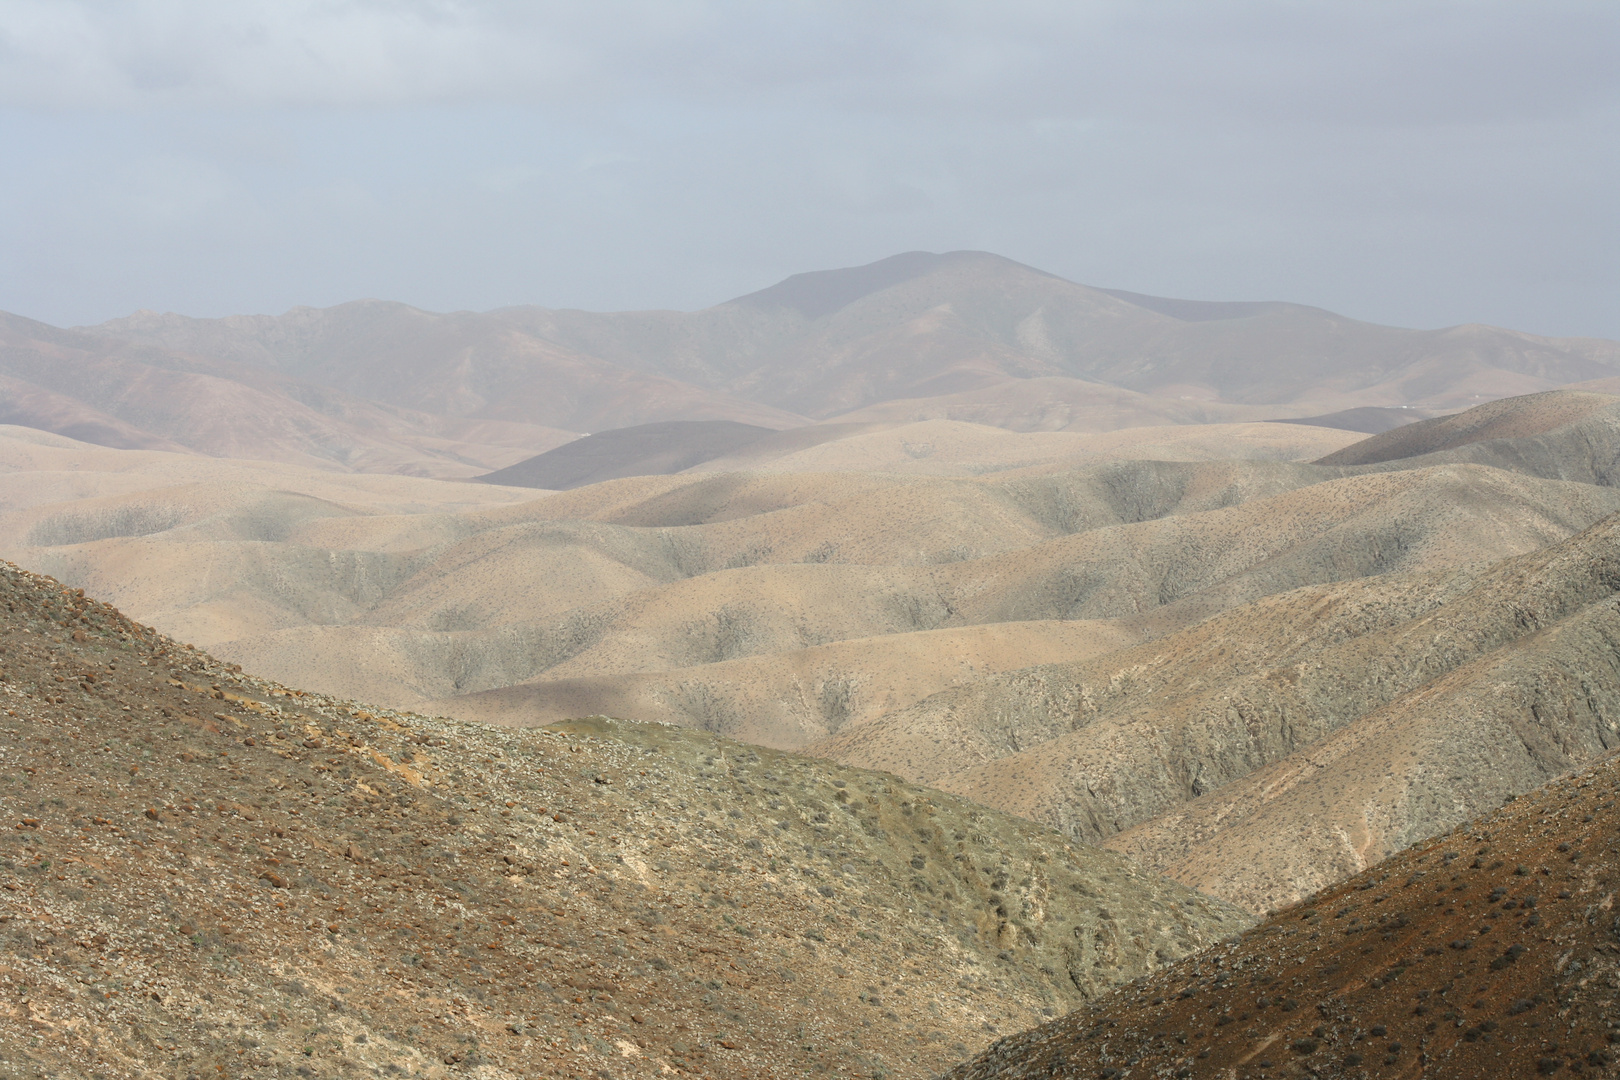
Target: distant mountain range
{"x":372,"y":386}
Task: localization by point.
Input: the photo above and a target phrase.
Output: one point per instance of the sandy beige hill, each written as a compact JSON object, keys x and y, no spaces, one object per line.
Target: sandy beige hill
{"x":1285,"y":744}
{"x":792,"y":698}
{"x":1159,"y":654}
{"x":1061,"y":403}
{"x":1487,"y":952}
{"x":1561,"y":435}
{"x":217,"y":552}
{"x":205,"y":873}
{"x":582,"y":598}
{"x":1150,"y":578}
{"x":463,"y":588}
{"x":957,"y":448}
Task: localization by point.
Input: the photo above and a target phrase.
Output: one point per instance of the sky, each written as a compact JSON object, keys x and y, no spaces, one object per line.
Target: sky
{"x":1415,"y":163}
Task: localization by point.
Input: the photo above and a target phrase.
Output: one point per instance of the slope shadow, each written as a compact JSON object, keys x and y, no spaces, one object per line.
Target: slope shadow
{"x":643,"y":450}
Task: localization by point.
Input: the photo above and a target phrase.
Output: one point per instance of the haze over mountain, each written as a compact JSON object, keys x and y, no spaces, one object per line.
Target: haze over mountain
{"x":596,"y":602}
{"x":116,"y":394}
{"x":921,"y":325}
{"x":383,"y":387}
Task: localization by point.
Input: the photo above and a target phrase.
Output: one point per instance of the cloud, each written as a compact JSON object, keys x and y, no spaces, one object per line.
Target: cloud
{"x":1422,"y":162}
{"x":150,"y":53}
{"x":1172,"y":61}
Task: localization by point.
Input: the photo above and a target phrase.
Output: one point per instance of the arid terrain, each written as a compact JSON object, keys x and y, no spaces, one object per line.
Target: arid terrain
{"x":1490,"y":951}
{"x":1185,"y":643}
{"x":974,"y":641}
{"x":964,"y":336}
{"x":206,"y":873}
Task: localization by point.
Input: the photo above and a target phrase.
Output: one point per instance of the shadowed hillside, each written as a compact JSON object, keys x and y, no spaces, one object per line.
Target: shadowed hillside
{"x":1368,"y":418}
{"x":644,"y":450}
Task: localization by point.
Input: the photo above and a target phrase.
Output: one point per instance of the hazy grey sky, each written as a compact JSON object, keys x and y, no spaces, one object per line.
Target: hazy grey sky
{"x":1413,"y":162}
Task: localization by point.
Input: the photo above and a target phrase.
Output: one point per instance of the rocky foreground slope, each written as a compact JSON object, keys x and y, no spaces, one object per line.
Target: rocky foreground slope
{"x":1492,"y":951}
{"x":204,"y":874}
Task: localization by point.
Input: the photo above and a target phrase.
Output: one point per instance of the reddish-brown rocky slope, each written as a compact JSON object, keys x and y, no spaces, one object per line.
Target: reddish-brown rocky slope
{"x":1491,"y":951}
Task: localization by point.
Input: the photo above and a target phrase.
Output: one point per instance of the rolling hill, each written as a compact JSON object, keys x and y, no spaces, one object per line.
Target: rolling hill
{"x":978,"y":645}
{"x":1561,"y":435}
{"x":1340,"y":725}
{"x":209,"y":873}
{"x":1192,"y":661}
